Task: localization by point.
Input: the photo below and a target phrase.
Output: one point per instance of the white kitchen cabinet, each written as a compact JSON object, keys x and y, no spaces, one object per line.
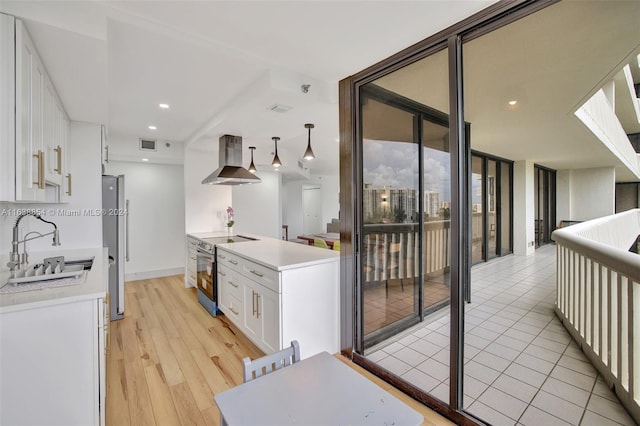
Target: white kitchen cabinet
{"x":230,"y":295}
{"x":104,"y":146}
{"x":34,"y":124}
{"x":66,"y":187}
{"x":274,"y":304}
{"x":263,"y":319}
{"x":30,"y":81}
{"x":191,"y":272}
{"x":53,"y":364}
{"x":7,"y":108}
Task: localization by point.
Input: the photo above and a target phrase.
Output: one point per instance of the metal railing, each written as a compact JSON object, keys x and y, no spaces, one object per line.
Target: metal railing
{"x":598,"y":298}
{"x":391,"y":250}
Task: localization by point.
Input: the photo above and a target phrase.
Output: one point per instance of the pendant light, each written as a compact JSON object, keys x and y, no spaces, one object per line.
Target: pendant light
{"x":276,"y":161}
{"x":252,"y":167}
{"x":308,"y":154}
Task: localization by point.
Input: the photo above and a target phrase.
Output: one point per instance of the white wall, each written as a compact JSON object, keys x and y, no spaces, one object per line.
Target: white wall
{"x":127,"y":148}
{"x":563,"y":195}
{"x":156,"y":214}
{"x":593,"y":193}
{"x":292,"y":207}
{"x":523,"y":208}
{"x":257,"y":206}
{"x":205,"y":205}
{"x":330,"y":196}
{"x":292,"y":201}
{"x":77,"y":229}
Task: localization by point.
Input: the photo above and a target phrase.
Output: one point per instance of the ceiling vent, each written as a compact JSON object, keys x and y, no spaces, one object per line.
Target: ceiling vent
{"x":147,"y":145}
{"x":279,"y":108}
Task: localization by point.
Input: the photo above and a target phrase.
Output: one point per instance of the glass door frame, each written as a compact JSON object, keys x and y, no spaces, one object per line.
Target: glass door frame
{"x":421,"y":113}
{"x":493,"y":17}
{"x":499,"y":193}
{"x":381,"y":95}
{"x":548,"y":208}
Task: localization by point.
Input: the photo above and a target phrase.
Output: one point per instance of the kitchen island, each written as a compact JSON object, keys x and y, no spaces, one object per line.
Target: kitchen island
{"x":52,"y":347}
{"x":276,"y":291}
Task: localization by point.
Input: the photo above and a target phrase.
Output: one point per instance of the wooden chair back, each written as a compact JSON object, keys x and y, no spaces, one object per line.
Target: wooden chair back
{"x":269,"y":363}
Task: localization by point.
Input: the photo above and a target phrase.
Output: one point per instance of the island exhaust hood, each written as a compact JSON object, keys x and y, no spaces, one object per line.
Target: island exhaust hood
{"x":230,"y":171}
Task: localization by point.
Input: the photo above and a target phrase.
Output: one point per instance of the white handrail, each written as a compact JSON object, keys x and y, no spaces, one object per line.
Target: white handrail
{"x":598,"y":298}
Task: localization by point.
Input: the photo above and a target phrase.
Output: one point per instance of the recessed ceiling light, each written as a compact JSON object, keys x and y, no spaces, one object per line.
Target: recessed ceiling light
{"x":164,"y":106}
{"x":152,"y":127}
{"x":512,"y":103}
{"x":145,"y":159}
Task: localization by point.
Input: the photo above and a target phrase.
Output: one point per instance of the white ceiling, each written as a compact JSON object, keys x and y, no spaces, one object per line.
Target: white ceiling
{"x":551,"y":62}
{"x":222,"y":64}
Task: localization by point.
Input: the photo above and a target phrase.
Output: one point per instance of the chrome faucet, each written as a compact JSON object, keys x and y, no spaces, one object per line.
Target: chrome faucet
{"x":15,"y":259}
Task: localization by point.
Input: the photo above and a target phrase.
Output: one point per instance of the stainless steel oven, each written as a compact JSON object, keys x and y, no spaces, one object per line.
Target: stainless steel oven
{"x":207,"y":271}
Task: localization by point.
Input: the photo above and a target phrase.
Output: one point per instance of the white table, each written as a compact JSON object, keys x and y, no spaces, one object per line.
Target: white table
{"x":319,"y":390}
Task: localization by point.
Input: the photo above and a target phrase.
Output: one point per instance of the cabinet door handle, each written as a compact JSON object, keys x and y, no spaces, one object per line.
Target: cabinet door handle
{"x":106,"y":150}
{"x":69,"y":186}
{"x":192,"y":258}
{"x":257,"y":273}
{"x":235,"y":285}
{"x":40,"y":181}
{"x":223,"y":274}
{"x":253,"y":301}
{"x":234,"y":312}
{"x":58,"y":151}
{"x":126,"y":230}
{"x":257,"y":305}
{"x":221,"y":256}
{"x":233,"y":262}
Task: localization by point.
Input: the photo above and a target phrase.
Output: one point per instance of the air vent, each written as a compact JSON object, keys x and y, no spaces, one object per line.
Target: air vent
{"x":147,"y":145}
{"x":279,"y":108}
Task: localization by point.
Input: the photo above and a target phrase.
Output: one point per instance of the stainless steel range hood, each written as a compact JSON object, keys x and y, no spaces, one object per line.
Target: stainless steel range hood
{"x":230,"y":171}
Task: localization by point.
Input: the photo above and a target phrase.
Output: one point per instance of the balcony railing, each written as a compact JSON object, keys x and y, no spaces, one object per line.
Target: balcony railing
{"x":598,"y":300}
{"x":391,"y":250}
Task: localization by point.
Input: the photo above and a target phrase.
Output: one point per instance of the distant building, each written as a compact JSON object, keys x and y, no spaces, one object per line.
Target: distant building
{"x":395,"y":205}
{"x":432,"y":203}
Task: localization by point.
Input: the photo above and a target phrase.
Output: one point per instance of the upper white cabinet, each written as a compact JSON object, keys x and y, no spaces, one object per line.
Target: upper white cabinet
{"x":30,"y":75}
{"x":7,"y":107}
{"x":36,"y":149}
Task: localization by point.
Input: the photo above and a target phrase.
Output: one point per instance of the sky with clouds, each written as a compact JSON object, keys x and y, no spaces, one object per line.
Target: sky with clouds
{"x":395,"y":164}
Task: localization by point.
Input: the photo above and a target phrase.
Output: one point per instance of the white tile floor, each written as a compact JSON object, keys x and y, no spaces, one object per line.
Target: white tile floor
{"x":521,"y":365}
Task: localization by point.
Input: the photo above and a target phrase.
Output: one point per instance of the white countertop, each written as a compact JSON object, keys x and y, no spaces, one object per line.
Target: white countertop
{"x":93,"y":287}
{"x":281,"y":255}
{"x":201,"y":235}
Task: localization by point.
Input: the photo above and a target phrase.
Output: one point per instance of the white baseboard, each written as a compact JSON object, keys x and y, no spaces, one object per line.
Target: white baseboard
{"x":145,"y":275}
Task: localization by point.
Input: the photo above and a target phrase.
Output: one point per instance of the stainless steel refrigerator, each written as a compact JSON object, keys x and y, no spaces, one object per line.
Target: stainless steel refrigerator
{"x":114,"y":236}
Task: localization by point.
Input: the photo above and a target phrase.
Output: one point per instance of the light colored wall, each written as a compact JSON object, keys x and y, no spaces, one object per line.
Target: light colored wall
{"x":127,"y":148}
{"x":563,"y":195}
{"x":292,"y":206}
{"x":156,"y":214}
{"x":523,"y":208}
{"x":205,"y":205}
{"x":257,"y":206}
{"x":593,"y":193}
{"x":330,"y":196}
{"x":76,"y":231}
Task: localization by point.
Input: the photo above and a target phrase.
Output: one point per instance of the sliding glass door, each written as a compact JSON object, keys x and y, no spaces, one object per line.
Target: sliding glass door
{"x":390,"y":211}
{"x":545,"y":204}
{"x":491,"y":199}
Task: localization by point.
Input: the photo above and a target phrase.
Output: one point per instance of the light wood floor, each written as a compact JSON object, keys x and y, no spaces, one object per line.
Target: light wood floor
{"x":168,"y":357}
